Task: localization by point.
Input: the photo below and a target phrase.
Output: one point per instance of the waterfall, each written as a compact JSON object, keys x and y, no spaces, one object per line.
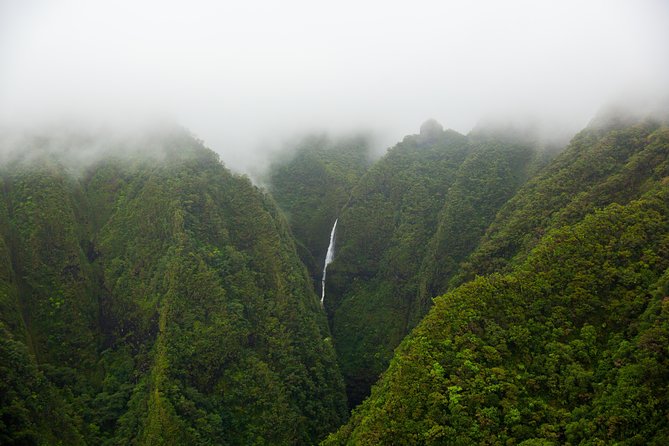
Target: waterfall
{"x":329,"y":256}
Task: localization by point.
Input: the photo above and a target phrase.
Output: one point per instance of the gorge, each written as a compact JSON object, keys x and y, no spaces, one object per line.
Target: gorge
{"x":485,"y":287}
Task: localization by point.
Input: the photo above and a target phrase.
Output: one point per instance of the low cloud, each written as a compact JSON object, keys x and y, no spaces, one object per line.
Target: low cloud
{"x":246,"y":76}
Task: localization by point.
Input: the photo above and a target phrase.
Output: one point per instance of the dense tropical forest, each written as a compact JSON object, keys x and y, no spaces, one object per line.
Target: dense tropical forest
{"x":558,"y":331}
{"x":156,"y":299}
{"x":487,"y":288}
{"x":311,"y":183}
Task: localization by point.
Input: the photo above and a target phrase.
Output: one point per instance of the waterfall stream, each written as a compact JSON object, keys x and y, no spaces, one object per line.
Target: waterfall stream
{"x":329,"y":256}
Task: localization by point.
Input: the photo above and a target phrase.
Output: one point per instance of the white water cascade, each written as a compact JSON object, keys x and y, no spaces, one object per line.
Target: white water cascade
{"x":329,"y":257}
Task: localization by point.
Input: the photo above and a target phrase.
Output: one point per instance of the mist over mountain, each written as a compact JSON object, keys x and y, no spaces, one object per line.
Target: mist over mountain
{"x":246,"y":77}
{"x":156,"y":300}
{"x":150,"y":295}
{"x":299,"y":223}
{"x":549,"y":332}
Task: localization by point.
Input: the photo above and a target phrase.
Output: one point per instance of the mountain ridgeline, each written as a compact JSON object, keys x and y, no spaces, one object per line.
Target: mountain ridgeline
{"x":564,"y":340}
{"x":485,"y":289}
{"x":435,"y":189}
{"x":156,"y":299}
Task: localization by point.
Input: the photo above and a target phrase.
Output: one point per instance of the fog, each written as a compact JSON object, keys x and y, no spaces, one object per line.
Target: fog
{"x":247,"y":76}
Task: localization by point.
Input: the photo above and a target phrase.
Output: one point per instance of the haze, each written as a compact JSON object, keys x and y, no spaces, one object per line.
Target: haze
{"x":245,"y":76}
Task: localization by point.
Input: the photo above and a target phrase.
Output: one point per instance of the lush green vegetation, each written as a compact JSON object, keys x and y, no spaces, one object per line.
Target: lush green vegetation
{"x":311,"y":183}
{"x":157,"y":299}
{"x":568,"y":348}
{"x":411,"y":219}
{"x":604,"y":163}
{"x":567,"y":345}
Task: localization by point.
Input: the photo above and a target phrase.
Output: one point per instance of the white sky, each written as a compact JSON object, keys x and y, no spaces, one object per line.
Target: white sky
{"x":244,"y":75}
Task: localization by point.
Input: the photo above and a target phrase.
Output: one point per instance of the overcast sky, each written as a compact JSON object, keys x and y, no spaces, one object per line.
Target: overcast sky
{"x":244,"y":75}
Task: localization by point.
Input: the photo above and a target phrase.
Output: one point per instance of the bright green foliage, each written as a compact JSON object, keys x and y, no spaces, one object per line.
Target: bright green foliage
{"x":568,"y":345}
{"x":158,"y":299}
{"x":603,"y":164}
{"x":417,"y":212}
{"x":491,"y":174}
{"x":569,"y":348}
{"x":312,"y":186}
{"x":161,"y":301}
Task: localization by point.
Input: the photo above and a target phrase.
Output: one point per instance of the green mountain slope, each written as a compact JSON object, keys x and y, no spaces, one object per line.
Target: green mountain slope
{"x":312,"y":185}
{"x":158,"y":299}
{"x":497,"y":166}
{"x":149,"y":296}
{"x":415,"y":214}
{"x":567,"y":346}
{"x":610,"y":161}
